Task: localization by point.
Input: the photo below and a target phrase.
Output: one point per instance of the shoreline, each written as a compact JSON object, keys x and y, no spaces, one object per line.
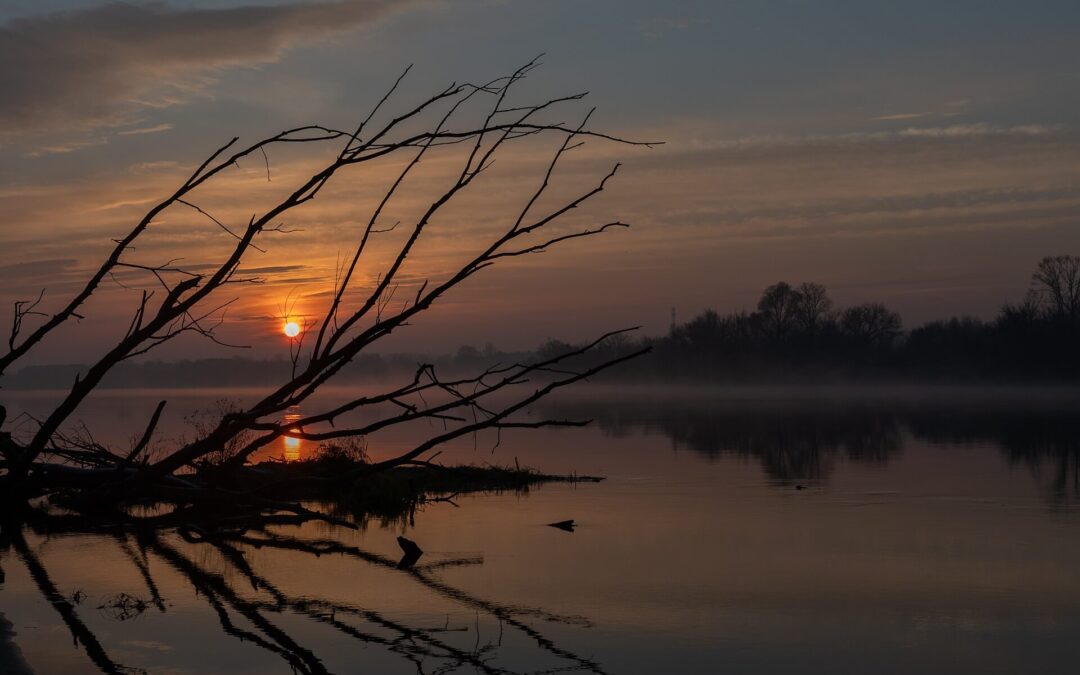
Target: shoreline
{"x":11,"y":658}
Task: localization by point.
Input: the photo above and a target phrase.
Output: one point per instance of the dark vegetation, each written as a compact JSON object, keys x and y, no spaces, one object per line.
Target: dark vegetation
{"x":797,"y":334}
{"x":394,"y":495}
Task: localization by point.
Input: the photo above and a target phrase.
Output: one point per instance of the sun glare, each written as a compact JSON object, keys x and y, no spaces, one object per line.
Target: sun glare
{"x":292,"y":329}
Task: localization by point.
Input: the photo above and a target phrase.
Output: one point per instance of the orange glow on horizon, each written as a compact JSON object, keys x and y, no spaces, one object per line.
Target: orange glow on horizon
{"x":292,"y":445}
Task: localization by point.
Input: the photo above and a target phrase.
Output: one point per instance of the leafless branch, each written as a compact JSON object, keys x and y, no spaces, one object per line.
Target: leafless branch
{"x":348,"y":326}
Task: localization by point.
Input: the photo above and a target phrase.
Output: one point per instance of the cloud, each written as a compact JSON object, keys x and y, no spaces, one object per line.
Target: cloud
{"x":159,"y":165}
{"x":977,"y":132}
{"x":156,"y":129}
{"x":957,"y":108}
{"x":37,"y":268}
{"x":903,"y":116}
{"x":952,"y":181}
{"x":64,"y":147}
{"x":93,"y":67}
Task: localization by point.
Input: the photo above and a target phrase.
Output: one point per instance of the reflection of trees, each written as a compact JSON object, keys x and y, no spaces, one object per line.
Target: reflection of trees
{"x":798,"y":445}
{"x":791,"y":443}
{"x":1045,"y":441}
{"x":253,"y":617}
{"x":801,"y":442}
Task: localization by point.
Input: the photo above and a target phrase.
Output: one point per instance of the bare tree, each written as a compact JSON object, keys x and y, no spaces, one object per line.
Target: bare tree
{"x":871,"y":323}
{"x":778,"y":308}
{"x":814,"y":307}
{"x":1056,"y":280}
{"x":187,"y":299}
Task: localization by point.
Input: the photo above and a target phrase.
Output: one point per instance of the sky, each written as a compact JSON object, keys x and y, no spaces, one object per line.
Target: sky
{"x":922,"y":154}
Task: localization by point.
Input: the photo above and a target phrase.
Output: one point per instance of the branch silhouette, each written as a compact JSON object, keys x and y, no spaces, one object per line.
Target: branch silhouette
{"x":187,"y":299}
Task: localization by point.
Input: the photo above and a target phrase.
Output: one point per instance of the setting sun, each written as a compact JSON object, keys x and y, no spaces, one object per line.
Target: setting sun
{"x":292,"y":329}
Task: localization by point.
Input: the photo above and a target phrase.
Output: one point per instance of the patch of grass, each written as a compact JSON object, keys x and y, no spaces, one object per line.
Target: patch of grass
{"x":391,"y":493}
{"x":403,"y":488}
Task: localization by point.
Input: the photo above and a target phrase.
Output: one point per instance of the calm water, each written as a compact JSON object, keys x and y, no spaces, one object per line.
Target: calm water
{"x":737,"y":532}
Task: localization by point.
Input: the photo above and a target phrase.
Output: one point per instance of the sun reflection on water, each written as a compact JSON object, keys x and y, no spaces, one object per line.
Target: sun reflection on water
{"x":292,"y":445}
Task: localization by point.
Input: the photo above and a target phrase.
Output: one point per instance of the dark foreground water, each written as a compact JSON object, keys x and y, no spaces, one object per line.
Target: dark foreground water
{"x":754,"y":531}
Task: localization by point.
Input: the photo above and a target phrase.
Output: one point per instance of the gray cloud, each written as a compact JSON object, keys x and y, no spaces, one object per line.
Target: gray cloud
{"x":981,"y":132}
{"x":864,"y":216}
{"x":959,"y":182}
{"x":92,"y":67}
{"x":156,"y":129}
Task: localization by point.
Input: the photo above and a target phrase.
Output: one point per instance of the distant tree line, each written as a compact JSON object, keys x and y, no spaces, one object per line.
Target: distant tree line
{"x":797,"y":332}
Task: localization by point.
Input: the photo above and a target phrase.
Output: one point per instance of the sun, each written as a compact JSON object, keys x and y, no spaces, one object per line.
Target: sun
{"x":292,"y":329}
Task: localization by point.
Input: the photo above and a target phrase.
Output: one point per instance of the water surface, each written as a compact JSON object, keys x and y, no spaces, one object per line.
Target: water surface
{"x":737,"y":531}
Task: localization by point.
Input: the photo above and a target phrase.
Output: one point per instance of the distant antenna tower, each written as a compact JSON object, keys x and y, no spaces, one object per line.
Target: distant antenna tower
{"x":671,"y":331}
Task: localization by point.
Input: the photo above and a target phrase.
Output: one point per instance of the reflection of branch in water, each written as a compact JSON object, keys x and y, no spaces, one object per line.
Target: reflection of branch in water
{"x":422,"y":646}
{"x":450,"y":562}
{"x":138,"y":558}
{"x":414,"y":644}
{"x":505,"y":614}
{"x":142,"y":539}
{"x":79,"y":631}
{"x":214,"y":585}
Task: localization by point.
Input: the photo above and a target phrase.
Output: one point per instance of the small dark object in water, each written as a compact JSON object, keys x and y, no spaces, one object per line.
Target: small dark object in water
{"x":411,"y":550}
{"x":565,"y":525}
{"x":800,"y":487}
{"x":124,"y":607}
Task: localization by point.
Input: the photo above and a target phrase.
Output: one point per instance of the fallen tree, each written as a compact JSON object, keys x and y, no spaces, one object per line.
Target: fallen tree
{"x":178,"y":299}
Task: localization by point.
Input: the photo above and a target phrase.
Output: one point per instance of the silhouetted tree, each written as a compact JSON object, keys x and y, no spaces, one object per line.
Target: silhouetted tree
{"x":871,"y":323}
{"x":779,"y":309}
{"x":1056,"y":282}
{"x":1026,"y":311}
{"x":814,"y":308}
